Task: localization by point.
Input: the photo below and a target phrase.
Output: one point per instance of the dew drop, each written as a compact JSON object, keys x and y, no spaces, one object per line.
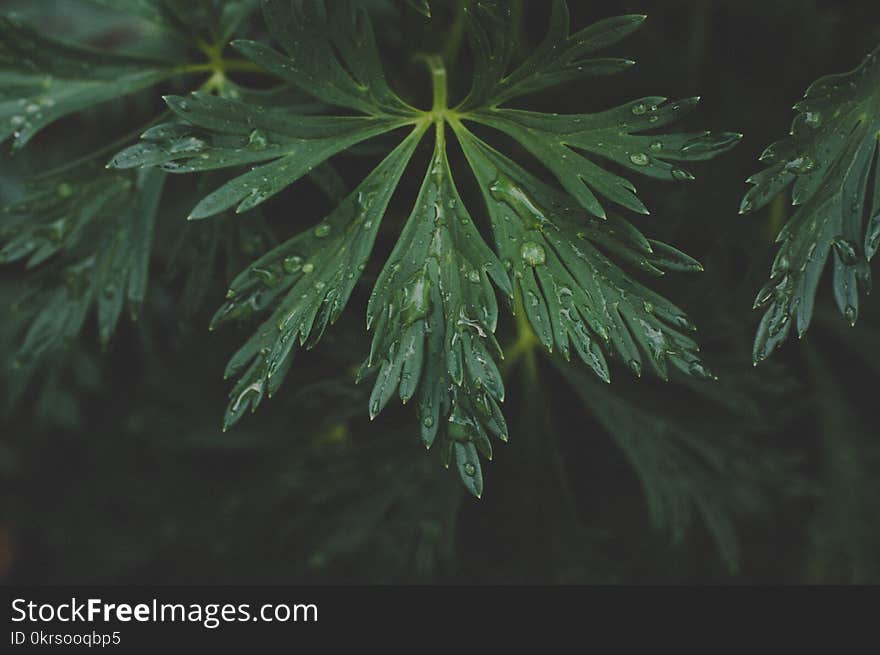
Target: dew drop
{"x":322,"y":230}
{"x":292,"y":264}
{"x":681,"y":175}
{"x":428,"y":422}
{"x":846,"y":250}
{"x":657,"y":146}
{"x":765,"y":295}
{"x":800,"y":165}
{"x":683,"y":322}
{"x":191,"y":144}
{"x":781,"y":265}
{"x":813,"y":119}
{"x":266,"y":276}
{"x":639,"y":109}
{"x":639,"y":159}
{"x":470,"y":469}
{"x":257,"y":140}
{"x":698,"y":370}
{"x":308,"y":268}
{"x":533,"y":253}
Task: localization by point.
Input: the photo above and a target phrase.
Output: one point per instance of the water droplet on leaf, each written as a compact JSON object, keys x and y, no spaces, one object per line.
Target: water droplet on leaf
{"x":292,"y":264}
{"x":681,"y":175}
{"x":257,"y":140}
{"x":266,"y":276}
{"x":846,"y":250}
{"x":533,"y":253}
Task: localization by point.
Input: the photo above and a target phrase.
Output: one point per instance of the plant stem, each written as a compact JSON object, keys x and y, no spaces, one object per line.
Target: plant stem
{"x":225,"y":65}
{"x":439,"y":83}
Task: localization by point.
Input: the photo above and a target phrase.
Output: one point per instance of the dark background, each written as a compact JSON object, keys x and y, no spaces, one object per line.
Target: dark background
{"x":114,"y":470}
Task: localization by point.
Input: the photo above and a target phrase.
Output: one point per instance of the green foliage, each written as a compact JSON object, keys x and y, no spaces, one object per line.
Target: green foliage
{"x":214,"y":21}
{"x":433,"y":309}
{"x":683,"y":471}
{"x":421,"y":6}
{"x":830,"y":160}
{"x":502,"y":258}
{"x":845,"y":537}
{"x":43,"y":79}
{"x":97,"y":231}
{"x":87,"y":232}
{"x":560,"y":254}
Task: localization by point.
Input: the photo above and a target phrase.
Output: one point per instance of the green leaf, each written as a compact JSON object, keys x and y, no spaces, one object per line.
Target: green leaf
{"x":91,"y":234}
{"x":232,"y":14}
{"x":150,"y":10}
{"x":685,"y":471}
{"x":558,"y":142}
{"x":433,"y":310}
{"x":214,"y":19}
{"x":560,"y":58}
{"x":216,"y":132}
{"x":421,"y":6}
{"x":434,"y":313}
{"x":42,"y":79}
{"x":572,"y":291}
{"x":830,"y":160}
{"x":568,"y":144}
{"x":221,"y":132}
{"x":306,"y":283}
{"x":331,"y":54}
